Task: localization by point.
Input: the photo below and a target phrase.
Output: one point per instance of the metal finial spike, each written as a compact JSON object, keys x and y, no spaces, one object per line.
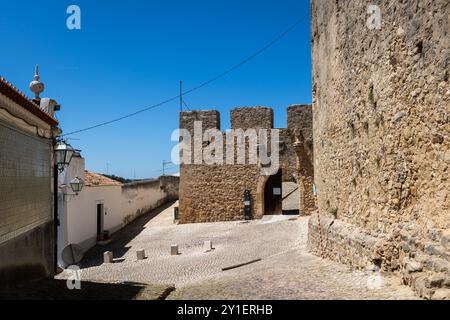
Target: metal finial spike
{"x":36,"y":76}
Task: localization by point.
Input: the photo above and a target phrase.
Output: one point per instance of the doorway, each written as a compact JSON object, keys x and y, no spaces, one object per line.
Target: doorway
{"x":100,"y":214}
{"x":273,"y":195}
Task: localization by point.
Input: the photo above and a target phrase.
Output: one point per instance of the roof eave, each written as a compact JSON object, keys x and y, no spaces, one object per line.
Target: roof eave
{"x":14,"y":94}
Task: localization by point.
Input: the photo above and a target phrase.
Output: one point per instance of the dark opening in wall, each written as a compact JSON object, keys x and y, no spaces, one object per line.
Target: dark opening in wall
{"x":366,"y":126}
{"x":419,"y":46}
{"x":393,"y":60}
{"x":370,"y":95}
{"x":352,"y":128}
{"x":420,"y":52}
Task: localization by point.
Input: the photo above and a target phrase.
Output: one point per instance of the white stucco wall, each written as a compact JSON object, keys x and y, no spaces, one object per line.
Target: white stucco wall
{"x":140,"y":198}
{"x":80,"y":211}
{"x":83,"y":213}
{"x":122,"y":204}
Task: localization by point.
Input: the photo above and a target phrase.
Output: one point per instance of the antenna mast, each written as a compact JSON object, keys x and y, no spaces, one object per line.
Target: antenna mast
{"x":181,"y":96}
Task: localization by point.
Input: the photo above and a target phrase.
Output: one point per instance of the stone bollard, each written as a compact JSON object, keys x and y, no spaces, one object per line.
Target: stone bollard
{"x":174,"y":250}
{"x":207,"y":246}
{"x":140,"y":254}
{"x":108,"y":257}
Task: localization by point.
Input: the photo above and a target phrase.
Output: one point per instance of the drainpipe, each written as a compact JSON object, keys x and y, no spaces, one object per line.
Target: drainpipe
{"x":56,"y":132}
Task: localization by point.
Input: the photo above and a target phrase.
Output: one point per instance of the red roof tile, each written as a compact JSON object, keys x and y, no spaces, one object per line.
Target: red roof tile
{"x":92,"y":179}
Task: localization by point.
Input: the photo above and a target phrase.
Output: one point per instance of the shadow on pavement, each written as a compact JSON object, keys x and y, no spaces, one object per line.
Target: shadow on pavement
{"x":120,"y":240}
{"x":50,"y":289}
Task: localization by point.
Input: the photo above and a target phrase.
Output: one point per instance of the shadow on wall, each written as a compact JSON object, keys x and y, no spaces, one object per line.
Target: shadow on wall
{"x":27,"y":257}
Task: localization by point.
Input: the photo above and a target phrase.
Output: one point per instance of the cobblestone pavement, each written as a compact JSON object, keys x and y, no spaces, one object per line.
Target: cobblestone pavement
{"x":294,"y":275}
{"x":286,"y":269}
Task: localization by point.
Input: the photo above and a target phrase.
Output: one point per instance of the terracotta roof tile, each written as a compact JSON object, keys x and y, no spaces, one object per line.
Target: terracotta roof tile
{"x":92,"y":179}
{"x":9,"y":90}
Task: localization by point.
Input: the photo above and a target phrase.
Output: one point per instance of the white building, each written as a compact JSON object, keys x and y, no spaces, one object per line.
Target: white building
{"x":104,"y":205}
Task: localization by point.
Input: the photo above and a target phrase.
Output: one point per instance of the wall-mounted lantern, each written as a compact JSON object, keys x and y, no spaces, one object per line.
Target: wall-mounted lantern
{"x":63,"y":154}
{"x":76,"y":185}
{"x":247,"y":205}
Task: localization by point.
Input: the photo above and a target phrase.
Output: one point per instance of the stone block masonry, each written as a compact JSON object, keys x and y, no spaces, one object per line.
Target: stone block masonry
{"x":342,"y":242}
{"x":215,"y":193}
{"x":252,"y":118}
{"x":210,"y":120}
{"x":210,"y":193}
{"x":381,"y":133}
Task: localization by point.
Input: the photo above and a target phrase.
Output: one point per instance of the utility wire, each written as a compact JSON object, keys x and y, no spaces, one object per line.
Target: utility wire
{"x":184,"y":102}
{"x":165,"y":170}
{"x":217,"y":77}
{"x":168,"y":168}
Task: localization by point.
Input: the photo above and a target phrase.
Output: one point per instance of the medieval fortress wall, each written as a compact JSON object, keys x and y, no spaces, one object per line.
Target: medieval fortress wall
{"x":381,"y":137}
{"x":210,"y":193}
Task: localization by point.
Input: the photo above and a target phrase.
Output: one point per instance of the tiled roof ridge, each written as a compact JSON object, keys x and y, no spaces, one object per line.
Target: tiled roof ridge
{"x":93,"y":179}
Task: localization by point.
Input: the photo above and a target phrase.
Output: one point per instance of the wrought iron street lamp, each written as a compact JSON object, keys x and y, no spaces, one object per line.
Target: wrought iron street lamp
{"x":76,"y":185}
{"x":63,"y":154}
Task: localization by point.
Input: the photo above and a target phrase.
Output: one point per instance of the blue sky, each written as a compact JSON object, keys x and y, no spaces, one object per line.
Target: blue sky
{"x":131,"y":54}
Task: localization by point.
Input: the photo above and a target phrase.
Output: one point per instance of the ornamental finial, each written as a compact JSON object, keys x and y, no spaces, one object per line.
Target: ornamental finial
{"x":36,"y":86}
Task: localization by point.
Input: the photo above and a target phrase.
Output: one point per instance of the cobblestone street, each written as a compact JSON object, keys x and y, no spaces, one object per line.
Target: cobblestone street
{"x":286,"y":269}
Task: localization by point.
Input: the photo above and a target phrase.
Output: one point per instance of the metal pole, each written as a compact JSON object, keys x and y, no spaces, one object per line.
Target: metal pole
{"x":55,"y":208}
{"x":181,"y":96}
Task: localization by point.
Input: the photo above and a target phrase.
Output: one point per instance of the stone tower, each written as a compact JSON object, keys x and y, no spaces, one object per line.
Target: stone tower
{"x":381,"y":135}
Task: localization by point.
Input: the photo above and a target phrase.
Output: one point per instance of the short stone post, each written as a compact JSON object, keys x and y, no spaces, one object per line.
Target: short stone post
{"x":140,"y":254}
{"x":207,"y":246}
{"x":108,"y":257}
{"x":174,"y":250}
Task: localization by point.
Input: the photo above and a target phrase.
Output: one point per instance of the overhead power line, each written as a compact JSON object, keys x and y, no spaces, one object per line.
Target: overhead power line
{"x":187,"y":107}
{"x":213,"y":79}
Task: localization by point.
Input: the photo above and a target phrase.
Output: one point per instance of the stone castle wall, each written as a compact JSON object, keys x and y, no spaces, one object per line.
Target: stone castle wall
{"x":211,"y":193}
{"x":299,"y":124}
{"x":381,"y":135}
{"x":215,"y":193}
{"x":298,"y":164}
